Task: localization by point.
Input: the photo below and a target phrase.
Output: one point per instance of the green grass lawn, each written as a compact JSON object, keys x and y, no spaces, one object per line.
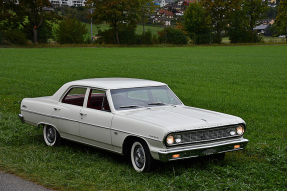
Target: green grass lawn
{"x":246,"y":81}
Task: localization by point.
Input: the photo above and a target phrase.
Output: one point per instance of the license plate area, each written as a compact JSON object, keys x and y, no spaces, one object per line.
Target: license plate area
{"x":208,"y":152}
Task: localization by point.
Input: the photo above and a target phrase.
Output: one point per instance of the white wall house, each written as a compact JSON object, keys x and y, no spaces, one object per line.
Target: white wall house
{"x":163,"y":3}
{"x":75,"y":3}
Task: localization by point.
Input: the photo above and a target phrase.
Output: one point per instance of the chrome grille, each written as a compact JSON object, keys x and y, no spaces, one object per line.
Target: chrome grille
{"x":207,"y":134}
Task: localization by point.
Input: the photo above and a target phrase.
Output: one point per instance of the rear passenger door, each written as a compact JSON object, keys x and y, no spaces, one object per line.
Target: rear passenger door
{"x":96,"y":120}
{"x":66,"y":115}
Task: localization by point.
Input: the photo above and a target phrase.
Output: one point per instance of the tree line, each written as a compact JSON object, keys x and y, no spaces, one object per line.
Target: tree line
{"x":207,"y":21}
{"x":210,"y":20}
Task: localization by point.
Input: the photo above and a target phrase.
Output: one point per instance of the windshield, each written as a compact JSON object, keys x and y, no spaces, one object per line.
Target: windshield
{"x":143,"y":97}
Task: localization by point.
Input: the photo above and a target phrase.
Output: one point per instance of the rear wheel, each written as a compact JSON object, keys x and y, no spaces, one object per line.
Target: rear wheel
{"x":51,"y":135}
{"x":141,"y":158}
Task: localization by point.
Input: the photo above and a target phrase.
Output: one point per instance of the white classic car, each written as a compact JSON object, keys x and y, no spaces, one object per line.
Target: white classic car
{"x":139,"y":118}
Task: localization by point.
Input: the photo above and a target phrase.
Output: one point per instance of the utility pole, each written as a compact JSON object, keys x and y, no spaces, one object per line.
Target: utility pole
{"x":91,"y":12}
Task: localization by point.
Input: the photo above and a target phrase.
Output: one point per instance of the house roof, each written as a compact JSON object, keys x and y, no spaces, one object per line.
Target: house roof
{"x":189,"y":1}
{"x":260,"y":27}
{"x":166,"y":12}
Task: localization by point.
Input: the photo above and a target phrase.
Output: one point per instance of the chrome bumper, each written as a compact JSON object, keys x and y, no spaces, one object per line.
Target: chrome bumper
{"x":21,"y":118}
{"x":202,"y":150}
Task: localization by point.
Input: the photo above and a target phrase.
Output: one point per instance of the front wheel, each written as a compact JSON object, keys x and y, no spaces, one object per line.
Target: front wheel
{"x":51,"y":136}
{"x":141,"y":158}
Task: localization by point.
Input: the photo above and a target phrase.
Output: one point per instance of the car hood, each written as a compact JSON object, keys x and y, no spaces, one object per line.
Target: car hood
{"x":182,"y":118}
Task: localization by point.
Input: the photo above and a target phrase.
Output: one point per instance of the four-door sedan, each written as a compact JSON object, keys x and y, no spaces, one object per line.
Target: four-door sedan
{"x":140,"y":118}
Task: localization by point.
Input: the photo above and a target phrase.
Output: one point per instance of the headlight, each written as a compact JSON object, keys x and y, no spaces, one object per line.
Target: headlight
{"x":233,"y":131}
{"x":177,"y":138}
{"x":170,"y":140}
{"x":240,"y":130}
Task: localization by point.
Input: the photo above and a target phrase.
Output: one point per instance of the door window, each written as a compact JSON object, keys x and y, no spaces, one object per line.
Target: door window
{"x":98,"y":100}
{"x":75,"y":96}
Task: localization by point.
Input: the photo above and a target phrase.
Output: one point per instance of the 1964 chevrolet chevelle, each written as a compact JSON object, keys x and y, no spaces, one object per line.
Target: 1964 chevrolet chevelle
{"x":140,"y":118}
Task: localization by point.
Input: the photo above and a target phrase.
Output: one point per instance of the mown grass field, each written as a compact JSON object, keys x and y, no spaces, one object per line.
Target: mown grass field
{"x":247,"y":81}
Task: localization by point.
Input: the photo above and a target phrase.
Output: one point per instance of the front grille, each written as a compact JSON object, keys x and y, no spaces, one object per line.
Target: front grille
{"x":207,"y":134}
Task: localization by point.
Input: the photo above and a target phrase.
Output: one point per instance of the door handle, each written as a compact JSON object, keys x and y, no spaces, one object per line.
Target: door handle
{"x":57,"y":109}
{"x":83,"y":114}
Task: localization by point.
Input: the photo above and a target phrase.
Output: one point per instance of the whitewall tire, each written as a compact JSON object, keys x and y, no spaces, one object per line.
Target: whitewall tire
{"x":51,"y":135}
{"x":141,"y":158}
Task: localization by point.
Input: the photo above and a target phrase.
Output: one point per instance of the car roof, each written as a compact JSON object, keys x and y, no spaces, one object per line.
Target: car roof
{"x":115,"y":83}
{"x":106,"y":84}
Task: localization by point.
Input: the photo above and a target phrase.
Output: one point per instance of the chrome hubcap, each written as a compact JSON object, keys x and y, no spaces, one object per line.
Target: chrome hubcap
{"x":50,"y":134}
{"x":139,"y":156}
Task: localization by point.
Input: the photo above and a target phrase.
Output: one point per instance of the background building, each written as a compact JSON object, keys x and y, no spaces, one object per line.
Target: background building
{"x":75,"y":3}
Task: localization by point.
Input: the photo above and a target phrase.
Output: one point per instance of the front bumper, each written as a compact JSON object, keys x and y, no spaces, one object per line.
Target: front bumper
{"x":201,"y":150}
{"x":21,"y":118}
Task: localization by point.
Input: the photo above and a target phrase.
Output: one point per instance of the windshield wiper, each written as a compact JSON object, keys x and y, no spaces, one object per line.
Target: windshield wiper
{"x":157,"y":103}
{"x":160,"y":103}
{"x":131,"y":106}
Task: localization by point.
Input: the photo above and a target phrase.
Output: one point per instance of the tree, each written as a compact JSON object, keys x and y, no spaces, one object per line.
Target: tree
{"x":242,"y":16}
{"x":27,"y":15}
{"x":237,"y":22}
{"x":272,"y":12}
{"x":172,"y":36}
{"x":35,"y":12}
{"x":255,"y":10}
{"x":118,"y":13}
{"x":216,"y":10}
{"x":197,"y":24}
{"x":80,"y":13}
{"x":11,"y":15}
{"x":145,"y":10}
{"x":281,"y":19}
{"x":71,"y":31}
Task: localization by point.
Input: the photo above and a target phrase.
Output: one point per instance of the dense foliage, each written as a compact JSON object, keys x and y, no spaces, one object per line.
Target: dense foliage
{"x":71,"y":31}
{"x":207,"y":21}
{"x":216,"y":10}
{"x":126,"y":34}
{"x":197,"y":24}
{"x":29,"y":17}
{"x":15,"y":36}
{"x":172,"y":36}
{"x":203,"y":22}
{"x":281,"y":19}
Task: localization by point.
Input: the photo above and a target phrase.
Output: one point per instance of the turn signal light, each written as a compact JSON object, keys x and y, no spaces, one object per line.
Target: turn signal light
{"x":236,"y":146}
{"x":176,"y":156}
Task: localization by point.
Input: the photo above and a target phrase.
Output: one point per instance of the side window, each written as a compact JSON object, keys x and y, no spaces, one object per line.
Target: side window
{"x":98,"y":100}
{"x":75,"y":96}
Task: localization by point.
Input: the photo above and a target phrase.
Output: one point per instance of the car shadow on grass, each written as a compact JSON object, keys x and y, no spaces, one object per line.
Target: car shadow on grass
{"x":159,"y":167}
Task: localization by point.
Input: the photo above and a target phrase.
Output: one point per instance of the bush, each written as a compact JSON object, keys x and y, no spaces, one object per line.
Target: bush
{"x":145,"y":38}
{"x":44,"y":32}
{"x":243,"y":36}
{"x":71,"y":31}
{"x":126,"y":36}
{"x":203,"y":38}
{"x":172,"y":36}
{"x":15,"y":36}
{"x":1,"y":37}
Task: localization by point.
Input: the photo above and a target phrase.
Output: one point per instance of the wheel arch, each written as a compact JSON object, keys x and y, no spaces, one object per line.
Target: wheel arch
{"x":42,"y":124}
{"x":127,"y":144}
